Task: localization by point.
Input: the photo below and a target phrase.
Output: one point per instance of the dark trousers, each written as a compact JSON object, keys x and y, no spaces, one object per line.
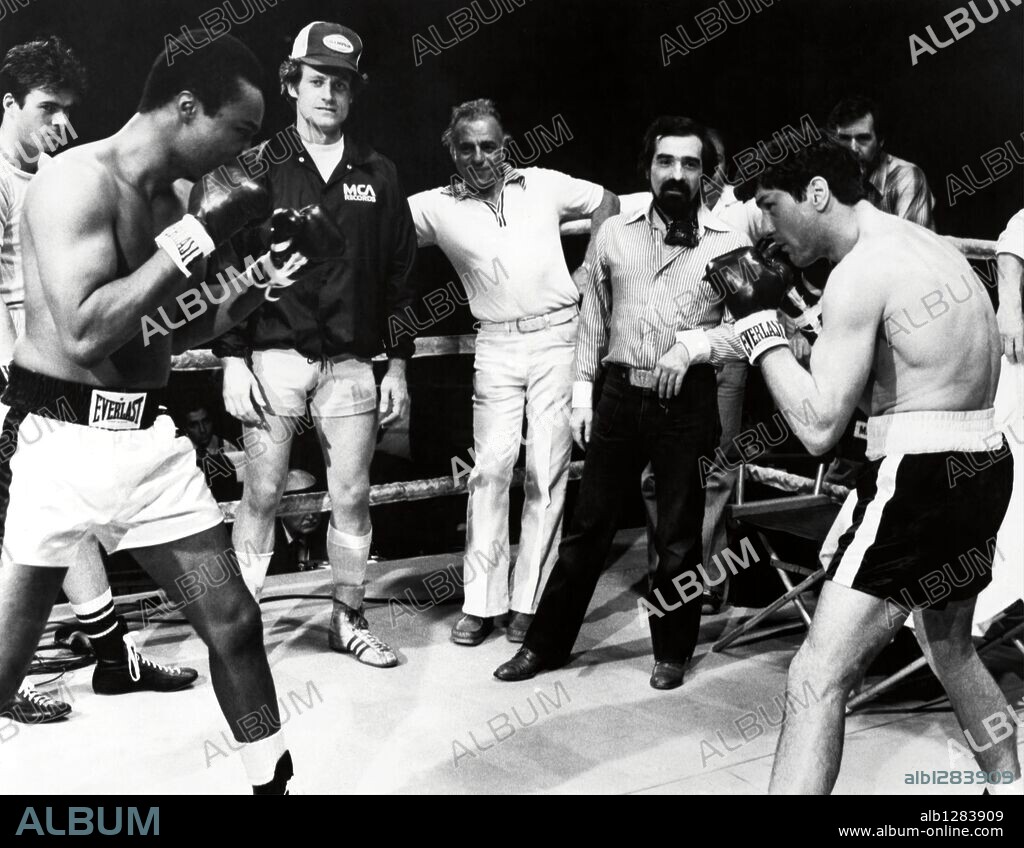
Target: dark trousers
{"x":632,"y":426}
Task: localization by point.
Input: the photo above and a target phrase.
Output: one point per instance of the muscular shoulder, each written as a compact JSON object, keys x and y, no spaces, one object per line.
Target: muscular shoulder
{"x":77,"y":182}
{"x":858,"y":286}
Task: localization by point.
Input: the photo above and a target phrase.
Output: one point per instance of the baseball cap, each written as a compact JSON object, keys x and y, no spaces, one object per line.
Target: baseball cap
{"x":322,"y":44}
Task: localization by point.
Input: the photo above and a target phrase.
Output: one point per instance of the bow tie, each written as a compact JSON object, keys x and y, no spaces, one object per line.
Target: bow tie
{"x":682,"y":234}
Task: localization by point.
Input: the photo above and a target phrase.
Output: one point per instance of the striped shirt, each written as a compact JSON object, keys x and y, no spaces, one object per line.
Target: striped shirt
{"x":641,"y":292}
{"x":899,"y":187}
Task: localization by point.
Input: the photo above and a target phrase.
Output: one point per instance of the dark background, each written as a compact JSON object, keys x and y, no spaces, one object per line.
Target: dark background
{"x":598,"y":64}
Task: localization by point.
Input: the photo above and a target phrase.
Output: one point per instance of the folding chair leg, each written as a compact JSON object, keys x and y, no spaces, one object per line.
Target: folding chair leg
{"x":784,"y":577}
{"x":794,"y":592}
{"x":874,"y":691}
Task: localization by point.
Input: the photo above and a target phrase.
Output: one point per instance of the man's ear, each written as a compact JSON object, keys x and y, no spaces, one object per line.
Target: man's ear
{"x":188,"y":106}
{"x":818,"y":192}
{"x":9,"y":101}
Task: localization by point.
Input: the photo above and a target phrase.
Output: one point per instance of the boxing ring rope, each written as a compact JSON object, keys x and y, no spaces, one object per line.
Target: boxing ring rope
{"x":414,"y":490}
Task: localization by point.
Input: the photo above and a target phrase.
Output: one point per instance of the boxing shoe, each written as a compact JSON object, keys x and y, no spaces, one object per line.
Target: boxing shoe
{"x":471,"y":630}
{"x":283,"y":772}
{"x":667,"y":675}
{"x":30,"y":706}
{"x":349,"y":633}
{"x":138,"y":674}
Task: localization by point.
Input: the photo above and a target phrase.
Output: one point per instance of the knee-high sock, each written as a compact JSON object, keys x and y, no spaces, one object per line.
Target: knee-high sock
{"x":347,"y":554}
{"x":103,"y":627}
{"x":253,"y":568}
{"x":260,"y":758}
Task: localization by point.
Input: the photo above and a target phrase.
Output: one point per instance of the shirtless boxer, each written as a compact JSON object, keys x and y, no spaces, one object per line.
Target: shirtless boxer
{"x":40,"y":82}
{"x":929,"y":392}
{"x":87,"y":455}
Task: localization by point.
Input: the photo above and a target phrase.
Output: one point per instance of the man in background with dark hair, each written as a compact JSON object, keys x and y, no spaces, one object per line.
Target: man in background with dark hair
{"x":892,"y":185}
{"x":915,"y":535}
{"x":40,"y":82}
{"x":654,"y":324}
{"x":312,"y":347}
{"x":88,"y":456}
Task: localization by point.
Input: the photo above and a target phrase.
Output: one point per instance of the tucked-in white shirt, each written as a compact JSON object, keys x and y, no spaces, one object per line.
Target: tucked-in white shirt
{"x":508,"y":253}
{"x":326,"y":156}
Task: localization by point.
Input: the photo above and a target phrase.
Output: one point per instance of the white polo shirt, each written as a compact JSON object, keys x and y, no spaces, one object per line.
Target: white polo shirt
{"x":508,"y":253}
{"x":13,"y":185}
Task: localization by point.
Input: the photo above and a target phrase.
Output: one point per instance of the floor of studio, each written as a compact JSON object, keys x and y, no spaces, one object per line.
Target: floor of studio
{"x":440,"y":723}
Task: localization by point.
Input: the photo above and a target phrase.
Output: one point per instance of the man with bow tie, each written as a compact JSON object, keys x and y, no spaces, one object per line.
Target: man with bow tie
{"x":654,"y":325}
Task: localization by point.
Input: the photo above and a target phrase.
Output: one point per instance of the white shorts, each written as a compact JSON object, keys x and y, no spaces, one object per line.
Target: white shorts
{"x":64,"y":487}
{"x":333,"y":388}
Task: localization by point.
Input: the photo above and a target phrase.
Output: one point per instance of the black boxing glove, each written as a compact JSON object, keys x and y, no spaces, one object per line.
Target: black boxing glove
{"x":216,"y":211}
{"x":307,"y":231}
{"x":754,"y":290}
{"x":801,"y":300}
{"x":295,"y":237}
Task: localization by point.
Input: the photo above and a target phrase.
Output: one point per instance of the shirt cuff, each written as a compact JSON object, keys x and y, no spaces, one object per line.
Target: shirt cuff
{"x":697,"y":345}
{"x":582,"y":394}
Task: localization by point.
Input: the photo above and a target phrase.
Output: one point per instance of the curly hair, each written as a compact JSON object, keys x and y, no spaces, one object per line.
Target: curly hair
{"x":290,"y":73}
{"x":47,"y":63}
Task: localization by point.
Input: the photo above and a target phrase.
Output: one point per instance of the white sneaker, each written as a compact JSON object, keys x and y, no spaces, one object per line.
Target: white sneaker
{"x":350,"y":633}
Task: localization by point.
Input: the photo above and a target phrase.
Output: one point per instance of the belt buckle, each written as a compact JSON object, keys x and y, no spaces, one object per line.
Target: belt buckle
{"x":523,"y":324}
{"x":641,"y":378}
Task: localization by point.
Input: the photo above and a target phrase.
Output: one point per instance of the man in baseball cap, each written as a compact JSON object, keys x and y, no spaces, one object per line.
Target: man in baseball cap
{"x":310,"y":350}
{"x":325,"y":45}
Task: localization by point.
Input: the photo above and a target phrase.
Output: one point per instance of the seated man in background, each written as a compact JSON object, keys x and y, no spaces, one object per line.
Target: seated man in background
{"x":300,"y":541}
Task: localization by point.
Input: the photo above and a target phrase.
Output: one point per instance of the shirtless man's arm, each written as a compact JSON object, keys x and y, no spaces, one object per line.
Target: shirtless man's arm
{"x":840,"y":363}
{"x":71,"y":208}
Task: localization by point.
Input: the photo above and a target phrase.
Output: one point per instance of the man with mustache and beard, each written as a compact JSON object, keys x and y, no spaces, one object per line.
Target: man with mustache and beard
{"x":654,"y":325}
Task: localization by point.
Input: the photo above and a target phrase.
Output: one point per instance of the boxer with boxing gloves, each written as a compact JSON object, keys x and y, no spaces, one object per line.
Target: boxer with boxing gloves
{"x":930,"y":404}
{"x":88,"y":454}
{"x":41,"y":81}
{"x":312,"y":348}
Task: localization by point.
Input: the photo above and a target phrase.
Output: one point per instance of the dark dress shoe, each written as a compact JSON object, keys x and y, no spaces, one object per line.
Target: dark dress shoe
{"x":667,"y":675}
{"x":471,"y":630}
{"x":524,"y":665}
{"x":518,"y":624}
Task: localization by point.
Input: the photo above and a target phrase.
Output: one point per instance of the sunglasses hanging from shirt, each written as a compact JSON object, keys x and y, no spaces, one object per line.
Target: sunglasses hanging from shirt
{"x":682,"y":234}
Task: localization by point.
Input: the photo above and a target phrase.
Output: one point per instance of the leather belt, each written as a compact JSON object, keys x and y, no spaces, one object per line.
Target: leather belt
{"x":533,"y":323}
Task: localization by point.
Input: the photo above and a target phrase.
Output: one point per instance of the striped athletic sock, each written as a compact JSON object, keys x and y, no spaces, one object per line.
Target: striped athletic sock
{"x":103,"y":626}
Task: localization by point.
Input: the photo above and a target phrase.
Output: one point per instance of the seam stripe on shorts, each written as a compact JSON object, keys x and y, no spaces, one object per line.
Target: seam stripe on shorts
{"x":8,"y":447}
{"x":867,"y":531}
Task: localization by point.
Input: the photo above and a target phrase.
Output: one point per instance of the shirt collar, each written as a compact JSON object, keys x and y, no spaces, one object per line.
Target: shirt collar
{"x":705,"y":220}
{"x":460,"y":189}
{"x":878,"y":176}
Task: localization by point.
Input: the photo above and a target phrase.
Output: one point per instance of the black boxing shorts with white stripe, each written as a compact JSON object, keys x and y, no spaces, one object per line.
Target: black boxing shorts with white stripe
{"x":920,"y":528}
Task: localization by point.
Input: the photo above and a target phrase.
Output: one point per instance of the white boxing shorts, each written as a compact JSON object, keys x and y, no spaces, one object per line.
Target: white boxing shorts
{"x":81,"y":464}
